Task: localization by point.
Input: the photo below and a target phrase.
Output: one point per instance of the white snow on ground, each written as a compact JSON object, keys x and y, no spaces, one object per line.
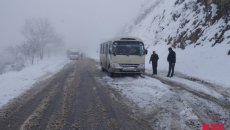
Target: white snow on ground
{"x":145,"y":92}
{"x":167,"y":104}
{"x":152,"y":96}
{"x":198,"y":87}
{"x":14,"y":83}
{"x":204,"y":62}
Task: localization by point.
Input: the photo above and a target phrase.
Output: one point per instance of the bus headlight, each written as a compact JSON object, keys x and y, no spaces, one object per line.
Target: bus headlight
{"x":141,"y":66}
{"x":115,"y":65}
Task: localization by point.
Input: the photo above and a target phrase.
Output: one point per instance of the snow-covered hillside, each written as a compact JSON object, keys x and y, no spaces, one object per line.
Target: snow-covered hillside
{"x":181,"y":23}
{"x":200,"y":36}
{"x":14,"y":83}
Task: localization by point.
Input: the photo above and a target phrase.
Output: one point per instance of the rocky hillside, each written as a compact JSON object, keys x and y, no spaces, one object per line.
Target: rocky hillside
{"x":180,"y":23}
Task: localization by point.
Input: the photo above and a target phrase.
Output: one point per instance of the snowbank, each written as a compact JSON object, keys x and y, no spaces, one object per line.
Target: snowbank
{"x":204,"y":62}
{"x":14,"y":83}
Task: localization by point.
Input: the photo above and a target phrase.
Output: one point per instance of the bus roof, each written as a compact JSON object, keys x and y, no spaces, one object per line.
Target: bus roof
{"x":126,"y":39}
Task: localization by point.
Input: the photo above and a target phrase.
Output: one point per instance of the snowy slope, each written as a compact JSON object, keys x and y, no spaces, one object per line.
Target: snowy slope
{"x":14,"y":83}
{"x":180,"y":24}
{"x":202,"y":44}
{"x":166,"y":105}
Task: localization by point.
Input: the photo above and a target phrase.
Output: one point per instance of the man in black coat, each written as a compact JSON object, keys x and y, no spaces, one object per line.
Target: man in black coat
{"x":154,"y":59}
{"x":172,"y":60}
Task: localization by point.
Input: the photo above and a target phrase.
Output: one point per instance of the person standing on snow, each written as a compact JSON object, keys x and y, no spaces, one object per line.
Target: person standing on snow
{"x":172,"y":60}
{"x":154,"y":59}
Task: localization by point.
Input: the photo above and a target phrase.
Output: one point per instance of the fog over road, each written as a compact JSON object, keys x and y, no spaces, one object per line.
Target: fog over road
{"x":82,"y":97}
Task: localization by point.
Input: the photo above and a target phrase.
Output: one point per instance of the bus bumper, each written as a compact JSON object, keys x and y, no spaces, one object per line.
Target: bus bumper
{"x":128,"y":70}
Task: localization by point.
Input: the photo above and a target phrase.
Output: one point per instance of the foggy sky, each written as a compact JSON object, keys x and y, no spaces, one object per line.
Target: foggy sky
{"x":82,"y":23}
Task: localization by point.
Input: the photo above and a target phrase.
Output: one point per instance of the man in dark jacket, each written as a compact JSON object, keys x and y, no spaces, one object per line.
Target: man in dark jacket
{"x":154,"y":59}
{"x":172,"y":60}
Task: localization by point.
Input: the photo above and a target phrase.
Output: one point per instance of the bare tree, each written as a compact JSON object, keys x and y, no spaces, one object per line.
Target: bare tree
{"x":28,"y":52}
{"x":38,"y":34}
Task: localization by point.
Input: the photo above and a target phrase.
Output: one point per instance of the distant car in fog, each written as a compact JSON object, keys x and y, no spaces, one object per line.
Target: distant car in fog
{"x":73,"y":54}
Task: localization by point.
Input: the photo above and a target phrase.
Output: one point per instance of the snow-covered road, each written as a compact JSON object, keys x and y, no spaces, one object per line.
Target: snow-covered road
{"x":180,"y":102}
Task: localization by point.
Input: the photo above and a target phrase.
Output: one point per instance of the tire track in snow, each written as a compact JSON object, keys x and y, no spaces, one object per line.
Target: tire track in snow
{"x":222,"y":90}
{"x":180,"y":85}
{"x":199,"y":102}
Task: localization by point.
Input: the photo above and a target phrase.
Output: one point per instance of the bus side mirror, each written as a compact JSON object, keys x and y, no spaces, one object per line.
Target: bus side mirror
{"x":112,"y":52}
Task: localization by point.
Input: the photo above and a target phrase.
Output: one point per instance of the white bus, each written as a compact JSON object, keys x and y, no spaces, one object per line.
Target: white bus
{"x":123,"y":55}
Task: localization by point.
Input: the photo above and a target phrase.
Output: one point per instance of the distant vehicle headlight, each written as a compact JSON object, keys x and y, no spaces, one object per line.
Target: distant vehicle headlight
{"x":141,"y":66}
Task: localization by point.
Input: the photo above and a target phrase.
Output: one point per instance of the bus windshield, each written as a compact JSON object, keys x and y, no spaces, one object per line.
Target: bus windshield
{"x":128,"y":48}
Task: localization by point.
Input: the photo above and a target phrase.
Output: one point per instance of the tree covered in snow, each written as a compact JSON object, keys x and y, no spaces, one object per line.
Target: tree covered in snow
{"x":41,"y":40}
{"x":39,"y":34}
